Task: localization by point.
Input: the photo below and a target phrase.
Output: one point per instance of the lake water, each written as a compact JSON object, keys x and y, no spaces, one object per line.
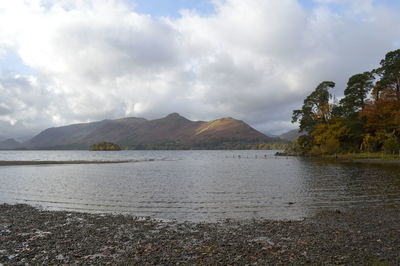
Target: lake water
{"x":196,"y":185}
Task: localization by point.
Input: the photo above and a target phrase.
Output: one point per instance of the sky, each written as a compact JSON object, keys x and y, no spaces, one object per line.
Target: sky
{"x":73,"y":61}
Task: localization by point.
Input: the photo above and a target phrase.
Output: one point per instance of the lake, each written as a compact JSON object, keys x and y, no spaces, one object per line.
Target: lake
{"x":196,"y":185}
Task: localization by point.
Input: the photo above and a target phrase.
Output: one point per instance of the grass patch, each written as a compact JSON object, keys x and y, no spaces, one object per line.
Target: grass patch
{"x":369,"y":155}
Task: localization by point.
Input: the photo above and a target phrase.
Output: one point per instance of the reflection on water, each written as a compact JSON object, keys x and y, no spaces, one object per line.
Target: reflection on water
{"x":196,"y":185}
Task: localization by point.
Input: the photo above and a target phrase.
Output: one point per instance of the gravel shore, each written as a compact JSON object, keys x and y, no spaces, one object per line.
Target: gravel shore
{"x":355,"y":237}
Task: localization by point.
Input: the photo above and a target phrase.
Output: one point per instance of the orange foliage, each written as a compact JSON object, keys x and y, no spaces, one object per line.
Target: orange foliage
{"x":383,"y":114}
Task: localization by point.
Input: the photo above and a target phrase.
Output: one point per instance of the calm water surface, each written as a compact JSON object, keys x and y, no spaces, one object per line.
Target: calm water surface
{"x":196,"y":185}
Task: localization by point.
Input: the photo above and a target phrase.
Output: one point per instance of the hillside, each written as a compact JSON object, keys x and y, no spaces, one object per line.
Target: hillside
{"x":9,"y":144}
{"x":291,"y":135}
{"x":171,"y":131}
{"x":64,"y":136}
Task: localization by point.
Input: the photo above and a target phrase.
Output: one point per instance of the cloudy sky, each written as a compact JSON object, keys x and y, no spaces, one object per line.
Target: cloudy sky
{"x":69,"y":61}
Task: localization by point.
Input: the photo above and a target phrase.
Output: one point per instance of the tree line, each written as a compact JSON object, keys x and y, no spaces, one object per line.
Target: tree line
{"x":366,"y":119}
{"x":212,"y":144}
{"x":104,"y":146}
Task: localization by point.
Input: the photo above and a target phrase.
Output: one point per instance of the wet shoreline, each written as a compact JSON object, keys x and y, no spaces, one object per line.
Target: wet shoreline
{"x":341,"y":159}
{"x":373,"y":161}
{"x":354,"y":236}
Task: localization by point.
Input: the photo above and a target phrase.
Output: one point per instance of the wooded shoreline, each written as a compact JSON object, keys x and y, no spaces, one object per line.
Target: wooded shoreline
{"x":366,"y":119}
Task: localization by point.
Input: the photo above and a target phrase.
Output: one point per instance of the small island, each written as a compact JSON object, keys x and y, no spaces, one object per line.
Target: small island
{"x":104,"y":146}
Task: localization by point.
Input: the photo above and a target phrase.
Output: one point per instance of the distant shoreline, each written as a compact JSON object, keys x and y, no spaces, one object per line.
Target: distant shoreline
{"x":353,"y":158}
{"x":15,"y":163}
{"x":370,"y":161}
{"x":367,"y":158}
{"x":152,"y":149}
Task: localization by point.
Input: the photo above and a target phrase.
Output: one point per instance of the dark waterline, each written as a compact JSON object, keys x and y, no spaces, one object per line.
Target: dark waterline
{"x":196,"y":185}
{"x":14,"y":163}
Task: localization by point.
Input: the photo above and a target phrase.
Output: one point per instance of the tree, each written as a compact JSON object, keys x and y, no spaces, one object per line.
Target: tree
{"x":382,"y":115}
{"x":333,"y":137}
{"x":391,"y":145}
{"x":376,"y":91}
{"x":356,"y":93}
{"x":316,"y":109}
{"x":104,"y":146}
{"x":390,"y":73}
{"x":303,"y":145}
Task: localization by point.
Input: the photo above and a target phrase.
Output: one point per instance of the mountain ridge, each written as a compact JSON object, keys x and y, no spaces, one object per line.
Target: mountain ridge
{"x":9,"y":144}
{"x":173,"y":130}
{"x":292,"y":135}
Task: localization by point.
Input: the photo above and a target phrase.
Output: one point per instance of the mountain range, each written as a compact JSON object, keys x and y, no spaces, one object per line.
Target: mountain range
{"x":172,"y":131}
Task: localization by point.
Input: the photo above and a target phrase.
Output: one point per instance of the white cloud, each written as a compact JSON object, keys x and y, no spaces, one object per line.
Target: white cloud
{"x":254,"y":59}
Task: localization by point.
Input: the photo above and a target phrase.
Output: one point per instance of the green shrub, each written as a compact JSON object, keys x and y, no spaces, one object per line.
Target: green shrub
{"x":391,"y":145}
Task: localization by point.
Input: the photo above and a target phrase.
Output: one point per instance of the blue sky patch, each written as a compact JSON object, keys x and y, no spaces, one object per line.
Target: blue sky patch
{"x":11,"y":62}
{"x":171,"y":8}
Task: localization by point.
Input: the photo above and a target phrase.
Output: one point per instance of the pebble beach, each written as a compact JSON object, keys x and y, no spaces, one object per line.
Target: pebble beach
{"x":353,"y":237}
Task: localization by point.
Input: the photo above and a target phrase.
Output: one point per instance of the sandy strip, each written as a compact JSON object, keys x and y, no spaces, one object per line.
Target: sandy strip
{"x":13,"y":163}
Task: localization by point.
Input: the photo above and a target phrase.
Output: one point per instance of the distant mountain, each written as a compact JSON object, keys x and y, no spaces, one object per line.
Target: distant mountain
{"x":23,"y":138}
{"x":9,"y":144}
{"x":72,"y":135}
{"x":171,"y":131}
{"x":291,"y":135}
{"x":2,"y":138}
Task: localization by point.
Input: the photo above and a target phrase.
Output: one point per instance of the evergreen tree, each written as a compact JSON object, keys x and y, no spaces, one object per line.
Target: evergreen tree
{"x":356,"y":94}
{"x":390,"y":73}
{"x":316,"y":109}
